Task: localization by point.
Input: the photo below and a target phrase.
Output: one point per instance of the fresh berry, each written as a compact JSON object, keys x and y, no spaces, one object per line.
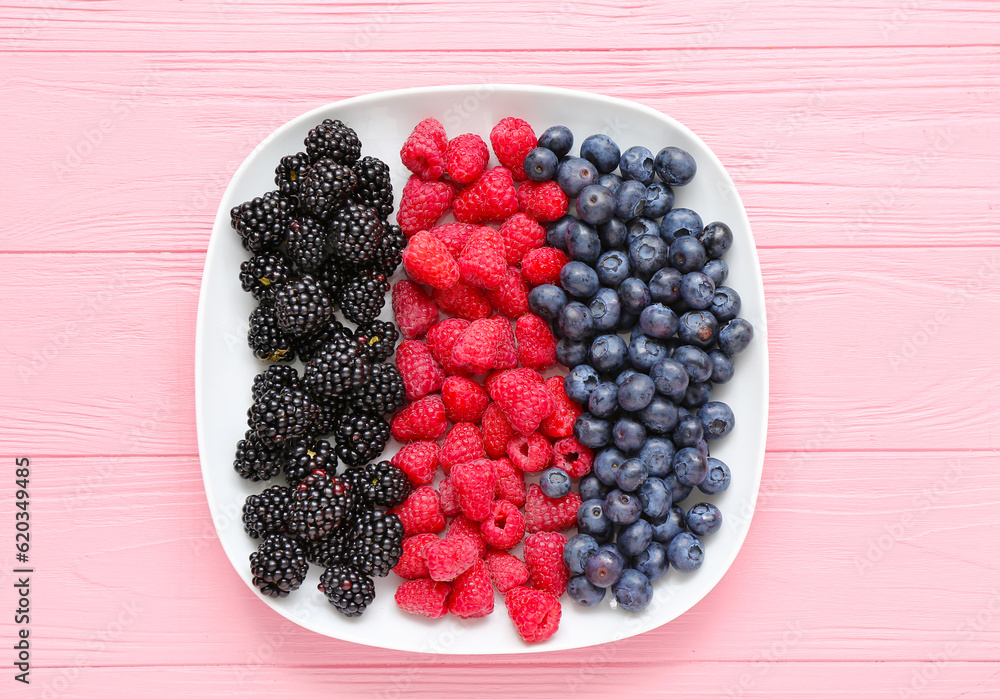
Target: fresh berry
{"x":422,"y":204}
{"x":510,"y":482}
{"x":497,"y":431}
{"x":442,"y":339}
{"x":449,"y":498}
{"x":362,"y":298}
{"x":476,"y":483}
{"x":257,"y":460}
{"x":262,"y":223}
{"x":281,"y":414}
{"x":463,"y":443}
{"x":376,"y":542}
{"x":263,"y":273}
{"x":543,"y":265}
{"x":466,"y":157}
{"x":545,"y":514}
{"x":307,"y":244}
{"x":420,"y":371}
{"x":482,"y":260}
{"x":279,"y":565}
{"x":413,"y":309}
{"x":428,"y":261}
{"x":379,"y":337}
{"x":419,"y":461}
{"x":519,"y":234}
{"x":450,"y":557}
{"x":471,"y":593}
{"x":289,"y":173}
{"x":361,"y":437}
{"x":320,"y":504}
{"x":464,"y":300}
{"x":463,"y":526}
{"x":266,"y":513}
{"x":541,"y":164}
{"x":506,"y":571}
{"x":302,"y":457}
{"x":424,"y":597}
{"x":572,"y":457}
{"x":325,"y":188}
{"x":327,"y":552}
{"x":421,"y":512}
{"x":490,"y":198}
{"x":389,"y":255}
{"x":535,"y":614}
{"x":524,"y":399}
{"x":337,"y":367}
{"x":542,"y":201}
{"x":333,"y":139}
{"x":374,"y":188}
{"x":560,"y":423}
{"x":507,"y":345}
{"x":543,"y":554}
{"x":348,"y":589}
{"x":454,"y":236}
{"x":302,"y":307}
{"x":423,"y":153}
{"x":530,"y":453}
{"x":512,"y":139}
{"x":464,"y":399}
{"x":275,"y":376}
{"x":266,"y":337}
{"x":356,"y":234}
{"x":412,"y":562}
{"x":511,"y":296}
{"x":555,"y":482}
{"x":381,"y":483}
{"x":536,"y":345}
{"x":422,"y":419}
{"x":477,"y":350}
{"x":504,"y":528}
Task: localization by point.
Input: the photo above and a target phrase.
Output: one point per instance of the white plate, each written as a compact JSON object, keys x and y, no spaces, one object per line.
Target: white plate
{"x":225,"y":367}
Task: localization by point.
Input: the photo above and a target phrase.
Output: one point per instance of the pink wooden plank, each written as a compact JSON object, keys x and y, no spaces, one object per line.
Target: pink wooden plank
{"x":842,"y":146}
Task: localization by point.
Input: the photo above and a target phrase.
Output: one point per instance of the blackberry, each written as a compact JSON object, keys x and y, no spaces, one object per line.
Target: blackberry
{"x":326,"y":552}
{"x":333,"y":139}
{"x":325,"y":187}
{"x":306,"y":244}
{"x":302,"y":307}
{"x":267,"y":512}
{"x":275,"y":376}
{"x":379,"y":483}
{"x":329,"y":414}
{"x":374,"y":185}
{"x":281,"y":414}
{"x":278,"y":565}
{"x":380,"y":337}
{"x":382,"y":392}
{"x":307,"y":347}
{"x":302,"y":457}
{"x":332,"y":275}
{"x":356,"y":234}
{"x":336,"y":367}
{"x":320,"y":504}
{"x":362,"y":298}
{"x":266,"y":338}
{"x":361,"y":437}
{"x":256,"y":460}
{"x":348,"y":589}
{"x":289,"y":173}
{"x":262,"y":222}
{"x":262,"y":273}
{"x":376,"y":542}
{"x":390,"y":253}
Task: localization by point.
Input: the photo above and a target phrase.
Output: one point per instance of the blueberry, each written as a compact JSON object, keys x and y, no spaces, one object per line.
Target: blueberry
{"x":605,"y":567}
{"x":595,"y":204}
{"x":601,"y":151}
{"x":658,"y":455}
{"x":717,"y":271}
{"x":678,"y":491}
{"x":630,"y":200}
{"x":637,"y":164}
{"x":606,"y":310}
{"x":675,"y":166}
{"x":624,"y":376}
{"x":647,"y":254}
{"x":665,"y":285}
{"x":603,"y":401}
{"x":703,"y":448}
{"x":685,"y":552}
{"x":644,"y":352}
{"x":695,"y":362}
{"x":627,"y":433}
{"x":688,"y":432}
{"x":679,"y":222}
{"x":608,"y":353}
{"x":555,"y":482}
{"x":659,"y":199}
{"x":639,"y":227}
{"x":579,"y":280}
{"x":557,"y":139}
{"x":613,"y":268}
{"x":635,"y":392}
{"x":697,"y":394}
{"x":574,"y":174}
{"x":627,"y":322}
{"x":717,"y":239}
{"x":575,"y":321}
{"x":613,"y":234}
{"x":698,"y":328}
{"x":610,"y":181}
{"x":540,"y":164}
{"x":653,"y":561}
{"x":697,"y":290}
{"x":654,"y":497}
{"x":572,"y":353}
{"x":591,"y":431}
{"x":690,"y":465}
{"x":735,"y":336}
{"x":670,"y":378}
{"x":547,"y":300}
{"x":622,"y":508}
{"x":668,"y":526}
{"x":704,"y":519}
{"x":606,"y":465}
{"x":633,"y":591}
{"x":584,"y":592}
{"x":658,"y":321}
{"x":717,"y":419}
{"x":718,"y":477}
{"x":579,"y":383}
{"x":660,"y":416}
{"x":582,"y":242}
{"x":726,"y":304}
{"x":634,"y":295}
{"x":591,"y":519}
{"x":634,"y":539}
{"x":630,"y":475}
{"x":577,"y":550}
{"x":687,"y":254}
{"x":592,"y":488}
{"x":555,"y":232}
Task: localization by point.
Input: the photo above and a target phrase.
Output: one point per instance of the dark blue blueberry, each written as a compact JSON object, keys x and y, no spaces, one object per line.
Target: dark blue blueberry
{"x":582,"y":242}
{"x":688,"y":432}
{"x":613,"y":234}
{"x":658,"y":455}
{"x":722,"y":366}
{"x":634,"y":539}
{"x":678,"y":491}
{"x":659,"y":200}
{"x":639,"y":227}
{"x":611,"y":181}
{"x":717,"y":419}
{"x":572,"y":353}
{"x":697,"y":290}
{"x":555,"y":482}
{"x":624,"y":376}
{"x":575,"y":321}
{"x":690,"y":465}
{"x":654,"y":497}
{"x":695,"y":362}
{"x":630,"y":200}
{"x":603,"y":401}
{"x":601,"y":151}
{"x":579,"y":280}
{"x":647,"y":254}
{"x":726,"y":304}
{"x":704,"y":519}
{"x":653,"y":561}
{"x":718,"y":477}
{"x":697,"y":394}
{"x":660,"y":416}
{"x":675,"y":166}
{"x":591,"y":431}
{"x":628,"y":434}
{"x":685,"y":552}
{"x":630,"y":475}
{"x":605,"y":567}
{"x":584,"y":592}
{"x":697,"y":328}
{"x":633,"y":591}
{"x":665,"y":285}
{"x":541,"y":164}
{"x":735,"y":336}
{"x":574,"y":174}
{"x":606,"y":465}
{"x":547,"y":300}
{"x":658,"y":321}
{"x":717,"y":271}
{"x":679,"y":222}
{"x":608,"y":354}
{"x":635,"y":392}
{"x":557,"y":139}
{"x":634,"y":295}
{"x":606,"y":310}
{"x":591,"y":519}
{"x":717,"y":239}
{"x":579,"y":383}
{"x":591,"y":488}
{"x":555,"y":232}
{"x":644,"y":351}
{"x":667,"y":527}
{"x":622,"y":508}
{"x":687,"y":254}
{"x":595,"y":204}
{"x":637,"y":164}
{"x":670,"y":378}
{"x":613,"y":268}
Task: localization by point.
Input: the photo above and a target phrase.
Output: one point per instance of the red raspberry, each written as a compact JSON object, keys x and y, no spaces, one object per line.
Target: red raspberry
{"x":496,"y":431}
{"x":545,"y":514}
{"x":422,"y":419}
{"x":471,"y":593}
{"x":506,"y":376}
{"x":424,"y":597}
{"x":530,"y":453}
{"x":507,"y":347}
{"x":427,"y":260}
{"x":421,"y":512}
{"x":449,"y":498}
{"x":510,"y":482}
{"x":412,"y":564}
{"x":512,"y":140}
{"x":414,"y":310}
{"x":464,"y":399}
{"x":482,"y":260}
{"x":466,"y":157}
{"x":463,"y":443}
{"x":543,"y":554}
{"x":506,"y":571}
{"x":560,"y":422}
{"x":520,"y":234}
{"x":542,"y":201}
{"x":542,"y":265}
{"x":525,"y":401}
{"x":422,"y":204}
{"x":442,"y":339}
{"x":504,"y":528}
{"x":463,"y":526}
{"x":464,"y":300}
{"x":536,"y":345}
{"x":419,"y":461}
{"x":511,"y":297}
{"x":424,"y":150}
{"x":449,"y":558}
{"x":490,"y":198}
{"x":454,"y":236}
{"x":572,"y":457}
{"x":476,"y":482}
{"x":535,"y":613}
{"x":420,"y":371}
{"x":477,"y":350}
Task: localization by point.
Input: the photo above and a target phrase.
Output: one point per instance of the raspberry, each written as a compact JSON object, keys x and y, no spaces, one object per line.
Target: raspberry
{"x":510,"y":482}
{"x":542,"y":265}
{"x":535,"y":613}
{"x":536,"y":345}
{"x":520,"y":234}
{"x":477,"y":350}
{"x":463,"y":526}
{"x":471,"y":593}
{"x":464,"y":300}
{"x":454,"y":236}
{"x":482,"y":260}
{"x":496,"y":431}
{"x":543,"y":554}
{"x":476,"y":482}
{"x":413,"y":309}
{"x":507,"y":347}
{"x":421,"y":372}
{"x":560,"y":422}
{"x":423,"y":152}
{"x":464,"y":399}
{"x":423,"y":419}
{"x":419,"y":461}
{"x":512,"y":140}
{"x":442,"y":339}
{"x":572,"y":457}
{"x":504,"y":528}
{"x":511,"y":297}
{"x":428,"y":261}
{"x":421,"y":512}
{"x":490,"y":198}
{"x":449,"y":498}
{"x":466,"y":157}
{"x":506,"y":571}
{"x":422,"y":204}
{"x":463,"y":443}
{"x":542,"y":201}
{"x":525,"y":401}
{"x":545,"y":514}
{"x":424,"y":597}
{"x":412,"y":564}
{"x":449,"y":558}
{"x":530,"y":453}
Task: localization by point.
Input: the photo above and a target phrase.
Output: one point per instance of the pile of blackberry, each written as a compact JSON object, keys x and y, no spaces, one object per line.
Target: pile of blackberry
{"x":321,"y":246}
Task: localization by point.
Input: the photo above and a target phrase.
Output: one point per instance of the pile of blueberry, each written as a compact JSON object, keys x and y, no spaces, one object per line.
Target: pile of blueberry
{"x":644,"y":270}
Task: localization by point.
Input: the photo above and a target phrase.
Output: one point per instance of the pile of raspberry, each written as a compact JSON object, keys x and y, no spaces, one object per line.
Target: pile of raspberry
{"x":481,"y":409}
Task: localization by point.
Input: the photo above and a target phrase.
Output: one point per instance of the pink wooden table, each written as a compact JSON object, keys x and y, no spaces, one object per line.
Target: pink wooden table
{"x":864,"y":139}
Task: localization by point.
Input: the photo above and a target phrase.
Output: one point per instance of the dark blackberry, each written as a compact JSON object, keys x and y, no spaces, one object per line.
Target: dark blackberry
{"x":376,"y":542}
{"x":333,"y":139}
{"x":325,"y":188}
{"x":278,"y":565}
{"x":349,"y":590}
{"x":361,"y":437}
{"x":275,"y":376}
{"x":320,"y":504}
{"x":302,"y":307}
{"x":289,"y":173}
{"x":332,"y":276}
{"x":266,"y":513}
{"x":262,"y":222}
{"x":281,"y":414}
{"x":307,"y":347}
{"x":266,"y":337}
{"x":382,"y":392}
{"x":362,"y":298}
{"x":256,"y":460}
{"x":331,"y":410}
{"x":327,"y":552}
{"x":380,"y":337}
{"x":307,"y":244}
{"x":302,"y":457}
{"x":390,"y":252}
{"x":356,"y":234}
{"x":336,"y":367}
{"x":379,"y":483}
{"x":262,"y":273}
{"x":374,"y":185}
